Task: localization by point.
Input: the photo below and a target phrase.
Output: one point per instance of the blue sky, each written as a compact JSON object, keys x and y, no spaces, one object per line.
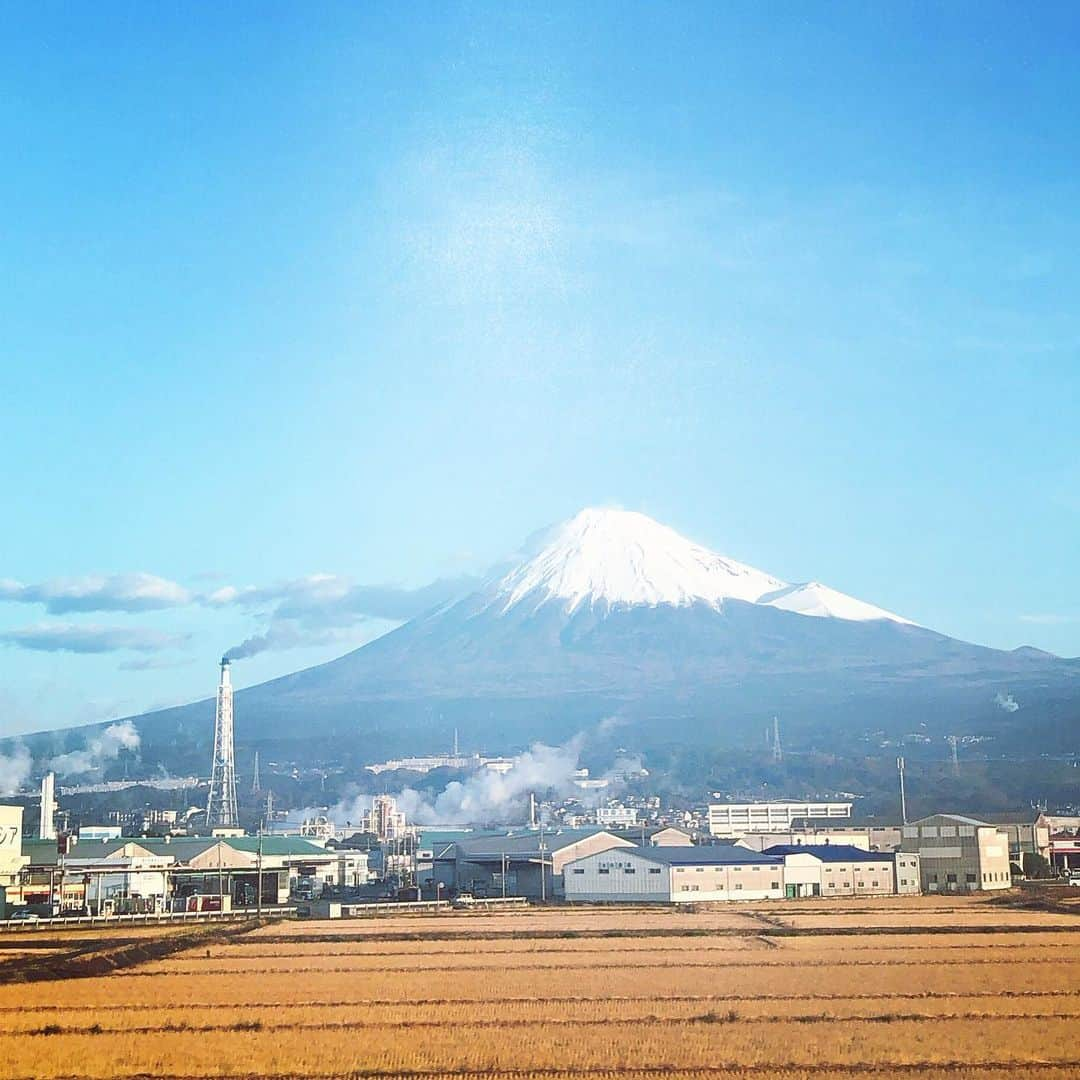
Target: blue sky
{"x":372,"y":294}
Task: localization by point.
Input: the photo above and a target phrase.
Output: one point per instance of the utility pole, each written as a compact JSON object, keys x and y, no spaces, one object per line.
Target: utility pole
{"x":255,"y":788}
{"x":543,"y":870}
{"x":258,"y":887}
{"x":903,"y":798}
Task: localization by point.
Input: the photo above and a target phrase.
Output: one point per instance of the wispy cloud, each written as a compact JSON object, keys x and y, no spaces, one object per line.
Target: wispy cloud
{"x":117,"y":592}
{"x":1050,"y":619}
{"x":323,"y":608}
{"x":77,"y":638}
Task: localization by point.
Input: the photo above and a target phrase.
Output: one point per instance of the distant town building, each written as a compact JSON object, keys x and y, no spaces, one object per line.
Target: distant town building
{"x":616,"y":816}
{"x":384,"y":820}
{"x":735,"y":819}
{"x":958,"y":854}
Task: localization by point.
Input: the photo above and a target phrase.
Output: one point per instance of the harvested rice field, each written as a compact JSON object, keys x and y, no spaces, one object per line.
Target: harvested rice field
{"x":933,"y":988}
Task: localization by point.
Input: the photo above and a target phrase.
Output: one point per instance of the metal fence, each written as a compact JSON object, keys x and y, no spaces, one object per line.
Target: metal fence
{"x":161,"y":917}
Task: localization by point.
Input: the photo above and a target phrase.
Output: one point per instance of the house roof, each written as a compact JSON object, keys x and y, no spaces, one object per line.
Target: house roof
{"x":830,"y":853}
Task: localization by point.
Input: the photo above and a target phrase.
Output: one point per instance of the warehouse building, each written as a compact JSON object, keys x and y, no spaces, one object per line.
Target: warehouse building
{"x":958,"y":854}
{"x":846,"y":870}
{"x":529,"y":864}
{"x":674,"y":874}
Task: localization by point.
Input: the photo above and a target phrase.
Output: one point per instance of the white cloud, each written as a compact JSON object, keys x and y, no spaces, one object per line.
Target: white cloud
{"x":117,"y":592}
{"x":79,"y":638}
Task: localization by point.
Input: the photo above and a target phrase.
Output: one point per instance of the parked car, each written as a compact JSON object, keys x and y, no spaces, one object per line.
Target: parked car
{"x":24,"y":915}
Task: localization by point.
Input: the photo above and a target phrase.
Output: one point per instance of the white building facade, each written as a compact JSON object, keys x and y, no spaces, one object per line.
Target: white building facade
{"x":673,"y":875}
{"x":735,"y":819}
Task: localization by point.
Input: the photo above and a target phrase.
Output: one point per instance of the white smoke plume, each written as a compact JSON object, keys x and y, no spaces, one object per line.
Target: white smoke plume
{"x":99,"y":749}
{"x":1006,"y":702}
{"x":486,"y":797}
{"x":14,"y":770}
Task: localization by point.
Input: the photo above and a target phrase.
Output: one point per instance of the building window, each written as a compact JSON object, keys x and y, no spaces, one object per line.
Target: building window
{"x":629,"y":870}
{"x":948,"y":830}
{"x":932,"y":877}
{"x":654,"y":869}
{"x":577,"y":870}
{"x":929,"y":832}
{"x":700,"y":869}
{"x":971,"y":879}
{"x":603,"y":870}
{"x":950,"y":878}
{"x":738,"y":884}
{"x":967,"y":830}
{"x":832,"y":884}
{"x":873,"y":884}
{"x":775,"y":885}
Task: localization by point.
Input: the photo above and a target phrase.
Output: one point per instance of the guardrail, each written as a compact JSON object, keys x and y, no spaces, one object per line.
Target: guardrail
{"x":161,"y":917}
{"x":326,"y":909}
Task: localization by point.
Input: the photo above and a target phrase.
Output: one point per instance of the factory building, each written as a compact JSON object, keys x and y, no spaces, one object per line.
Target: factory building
{"x":122,"y":876}
{"x":737,"y":819}
{"x":529,"y":864}
{"x":867,"y":837}
{"x":673,"y":875}
{"x":12,"y":859}
{"x":846,"y":870}
{"x":958,"y":854}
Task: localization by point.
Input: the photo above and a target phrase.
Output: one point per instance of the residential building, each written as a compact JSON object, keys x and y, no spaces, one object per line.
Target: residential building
{"x":958,"y":853}
{"x":1063,"y":841}
{"x":674,"y":875}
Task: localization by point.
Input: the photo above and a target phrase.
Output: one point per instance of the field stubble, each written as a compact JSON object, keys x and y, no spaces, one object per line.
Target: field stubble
{"x":333,"y":999}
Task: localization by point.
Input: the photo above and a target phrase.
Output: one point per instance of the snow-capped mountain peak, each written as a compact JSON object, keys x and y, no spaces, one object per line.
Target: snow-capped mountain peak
{"x":813,"y":598}
{"x":609,"y":558}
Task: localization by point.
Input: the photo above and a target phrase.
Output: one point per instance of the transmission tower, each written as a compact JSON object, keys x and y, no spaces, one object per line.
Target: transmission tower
{"x":221,"y":805}
{"x":255,"y":788}
{"x":777,"y":749}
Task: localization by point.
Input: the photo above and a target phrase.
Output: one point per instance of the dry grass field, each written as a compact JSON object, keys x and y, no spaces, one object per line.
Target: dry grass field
{"x":962,"y":989}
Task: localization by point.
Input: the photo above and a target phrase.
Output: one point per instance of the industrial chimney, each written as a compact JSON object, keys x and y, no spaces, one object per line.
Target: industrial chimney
{"x":221,"y":812}
{"x":46,"y":827}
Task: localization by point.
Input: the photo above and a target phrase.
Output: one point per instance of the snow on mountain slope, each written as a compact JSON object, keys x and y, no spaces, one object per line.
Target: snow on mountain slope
{"x":601,"y":559}
{"x":819,"y":600}
{"x":618,"y":557}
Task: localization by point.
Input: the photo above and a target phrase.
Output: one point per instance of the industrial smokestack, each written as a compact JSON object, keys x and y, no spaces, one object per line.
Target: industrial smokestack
{"x":221,"y":809}
{"x":46,"y":827}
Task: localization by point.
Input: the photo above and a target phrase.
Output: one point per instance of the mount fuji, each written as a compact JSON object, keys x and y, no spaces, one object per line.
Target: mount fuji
{"x":612,"y":614}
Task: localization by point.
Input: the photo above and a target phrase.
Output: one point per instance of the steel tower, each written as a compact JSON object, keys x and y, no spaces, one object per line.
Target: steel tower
{"x":221,"y":806}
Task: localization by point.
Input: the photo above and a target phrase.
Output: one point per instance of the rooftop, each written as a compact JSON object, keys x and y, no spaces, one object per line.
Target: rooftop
{"x":831,"y":853}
